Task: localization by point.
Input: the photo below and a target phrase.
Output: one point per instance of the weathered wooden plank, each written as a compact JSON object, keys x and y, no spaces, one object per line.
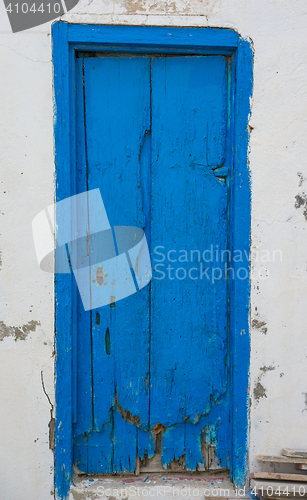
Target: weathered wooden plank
{"x":92,"y":452}
{"x":189,"y":212}
{"x":281,"y":459}
{"x":215,"y":438}
{"x":279,"y":476}
{"x":125,"y":445}
{"x":63,"y":282}
{"x":173,"y":446}
{"x":294,"y":453}
{"x":117,"y":96}
{"x":241,"y":77}
{"x":193,"y":449}
{"x":146,"y":444}
{"x":83,"y":356}
{"x":163,"y":38}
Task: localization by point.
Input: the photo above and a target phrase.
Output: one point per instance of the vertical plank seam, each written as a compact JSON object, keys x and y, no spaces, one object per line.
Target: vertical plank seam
{"x":88,"y":222}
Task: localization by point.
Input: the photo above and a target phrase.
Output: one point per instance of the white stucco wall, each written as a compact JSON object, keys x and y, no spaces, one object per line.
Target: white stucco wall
{"x":277,"y":155}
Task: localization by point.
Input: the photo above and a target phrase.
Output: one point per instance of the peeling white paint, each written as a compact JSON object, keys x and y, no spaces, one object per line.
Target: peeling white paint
{"x":279,"y":172}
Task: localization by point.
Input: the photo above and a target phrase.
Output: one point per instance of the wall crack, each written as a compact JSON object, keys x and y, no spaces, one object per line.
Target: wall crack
{"x":51,"y":423}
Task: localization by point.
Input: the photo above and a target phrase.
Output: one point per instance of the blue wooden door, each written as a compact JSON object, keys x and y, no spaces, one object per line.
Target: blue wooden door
{"x":151,"y":371}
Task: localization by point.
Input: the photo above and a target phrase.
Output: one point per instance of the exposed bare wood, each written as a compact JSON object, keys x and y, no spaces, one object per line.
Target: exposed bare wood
{"x":280,"y":476}
{"x":294,"y":453}
{"x":281,"y":459}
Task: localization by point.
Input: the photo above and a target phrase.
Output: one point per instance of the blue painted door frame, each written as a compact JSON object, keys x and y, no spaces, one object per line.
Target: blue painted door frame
{"x":69,"y":39}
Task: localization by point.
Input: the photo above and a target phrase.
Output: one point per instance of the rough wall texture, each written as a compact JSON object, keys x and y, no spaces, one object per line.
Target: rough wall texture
{"x":279,"y":186}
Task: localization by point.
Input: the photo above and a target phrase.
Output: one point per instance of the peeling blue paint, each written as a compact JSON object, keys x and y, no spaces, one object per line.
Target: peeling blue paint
{"x":104,"y":440}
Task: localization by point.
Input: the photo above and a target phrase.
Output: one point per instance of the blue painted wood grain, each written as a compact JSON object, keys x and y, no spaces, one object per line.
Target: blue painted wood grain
{"x":242,"y":84}
{"x":117,"y":98}
{"x":189,"y":337}
{"x":63,"y":282}
{"x":148,"y":39}
{"x":83,"y":356}
{"x":66,"y":39}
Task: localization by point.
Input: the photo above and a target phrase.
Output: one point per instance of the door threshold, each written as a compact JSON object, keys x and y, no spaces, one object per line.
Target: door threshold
{"x":209,"y":484}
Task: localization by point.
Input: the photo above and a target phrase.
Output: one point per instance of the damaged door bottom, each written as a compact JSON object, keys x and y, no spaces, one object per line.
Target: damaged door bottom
{"x":154,"y":464}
